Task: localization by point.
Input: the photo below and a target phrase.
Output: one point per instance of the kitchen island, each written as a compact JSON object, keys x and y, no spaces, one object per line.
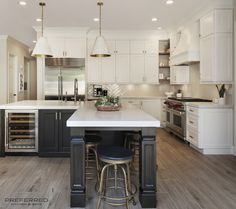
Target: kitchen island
{"x":50,"y":134}
{"x":129,"y":118}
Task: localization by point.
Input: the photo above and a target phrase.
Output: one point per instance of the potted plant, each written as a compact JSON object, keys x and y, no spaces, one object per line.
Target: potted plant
{"x":221,"y":90}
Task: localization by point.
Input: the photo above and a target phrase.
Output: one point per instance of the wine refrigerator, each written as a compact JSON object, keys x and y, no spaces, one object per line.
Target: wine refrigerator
{"x":21,"y":131}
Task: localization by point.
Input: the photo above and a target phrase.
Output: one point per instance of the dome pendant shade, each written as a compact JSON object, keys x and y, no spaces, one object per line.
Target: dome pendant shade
{"x":42,"y":49}
{"x":100,"y":48}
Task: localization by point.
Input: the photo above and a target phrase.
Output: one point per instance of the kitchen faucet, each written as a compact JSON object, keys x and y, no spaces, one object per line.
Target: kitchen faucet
{"x":75,"y":89}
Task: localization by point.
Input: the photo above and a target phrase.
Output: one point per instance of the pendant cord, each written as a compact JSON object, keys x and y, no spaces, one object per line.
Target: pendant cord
{"x":100,"y":18}
{"x":42,"y":20}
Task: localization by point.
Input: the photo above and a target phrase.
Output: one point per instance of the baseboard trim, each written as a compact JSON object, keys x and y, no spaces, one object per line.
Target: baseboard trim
{"x":234,"y":151}
{"x":216,"y":151}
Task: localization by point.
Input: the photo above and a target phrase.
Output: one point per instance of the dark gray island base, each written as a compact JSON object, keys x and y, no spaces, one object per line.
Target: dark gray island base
{"x":147,"y":165}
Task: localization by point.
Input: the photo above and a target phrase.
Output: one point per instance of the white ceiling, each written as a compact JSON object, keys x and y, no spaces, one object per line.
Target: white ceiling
{"x":17,"y":21}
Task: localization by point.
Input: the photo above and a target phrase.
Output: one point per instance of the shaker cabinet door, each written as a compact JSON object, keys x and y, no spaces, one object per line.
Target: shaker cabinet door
{"x":48,"y":131}
{"x":151,"y":69}
{"x":64,"y":132}
{"x":122,"y":68}
{"x":137,"y":68}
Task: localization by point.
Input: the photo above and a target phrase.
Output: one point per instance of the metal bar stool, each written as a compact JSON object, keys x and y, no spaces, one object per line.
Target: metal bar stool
{"x":132,"y":141}
{"x":91,"y":143}
{"x":119,"y":158}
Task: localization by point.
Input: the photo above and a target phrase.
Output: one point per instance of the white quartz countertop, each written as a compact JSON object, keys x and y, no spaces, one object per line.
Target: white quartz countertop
{"x":208,"y":105}
{"x":128,"y":116}
{"x":39,"y":104}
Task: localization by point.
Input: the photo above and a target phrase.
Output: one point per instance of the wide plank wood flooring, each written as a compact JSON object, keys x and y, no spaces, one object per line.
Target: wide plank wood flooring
{"x":186,"y":179}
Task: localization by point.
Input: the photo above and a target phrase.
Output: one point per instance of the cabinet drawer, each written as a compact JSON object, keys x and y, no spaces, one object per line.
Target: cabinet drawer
{"x":192,"y":121}
{"x":192,"y":110}
{"x":192,"y":136}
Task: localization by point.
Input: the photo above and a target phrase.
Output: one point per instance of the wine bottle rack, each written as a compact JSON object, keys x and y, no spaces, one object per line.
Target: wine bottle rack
{"x":22,"y":134}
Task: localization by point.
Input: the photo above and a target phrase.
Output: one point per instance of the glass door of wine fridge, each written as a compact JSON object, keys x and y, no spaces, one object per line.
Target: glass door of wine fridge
{"x":21,"y":131}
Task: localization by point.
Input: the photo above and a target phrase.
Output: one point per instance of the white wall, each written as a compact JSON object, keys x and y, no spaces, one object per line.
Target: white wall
{"x":8,"y":46}
{"x":3,"y":71}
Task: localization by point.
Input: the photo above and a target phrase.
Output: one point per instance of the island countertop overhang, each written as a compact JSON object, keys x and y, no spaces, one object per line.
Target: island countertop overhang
{"x":128,"y":116}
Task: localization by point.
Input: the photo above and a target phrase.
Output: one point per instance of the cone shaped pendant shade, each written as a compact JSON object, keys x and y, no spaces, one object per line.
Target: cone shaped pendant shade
{"x":42,"y":48}
{"x":100,"y":47}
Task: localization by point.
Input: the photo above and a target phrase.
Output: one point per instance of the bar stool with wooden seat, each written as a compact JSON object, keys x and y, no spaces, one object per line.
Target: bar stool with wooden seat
{"x":119,"y":158}
{"x":91,"y":143}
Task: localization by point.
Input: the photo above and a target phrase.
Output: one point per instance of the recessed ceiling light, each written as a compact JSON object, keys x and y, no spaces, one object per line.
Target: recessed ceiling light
{"x":39,"y":20}
{"x":169,"y":1}
{"x":22,"y":3}
{"x":154,"y":19}
{"x":95,"y":19}
{"x":159,"y":28}
{"x":34,"y":41}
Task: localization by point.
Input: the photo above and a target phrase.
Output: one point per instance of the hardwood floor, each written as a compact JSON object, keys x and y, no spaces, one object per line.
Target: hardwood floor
{"x":186,"y":180}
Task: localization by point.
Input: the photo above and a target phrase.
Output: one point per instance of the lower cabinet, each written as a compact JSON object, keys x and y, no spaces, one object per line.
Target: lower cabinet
{"x":210,"y":130}
{"x":54,"y":136}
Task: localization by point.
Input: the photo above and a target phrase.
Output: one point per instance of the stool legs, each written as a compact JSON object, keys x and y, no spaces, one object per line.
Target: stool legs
{"x":101,"y":189}
{"x":127,"y":184}
{"x":94,"y":150}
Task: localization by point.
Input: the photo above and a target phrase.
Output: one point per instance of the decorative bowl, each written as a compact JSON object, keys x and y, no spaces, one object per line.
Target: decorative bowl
{"x":108,"y":107}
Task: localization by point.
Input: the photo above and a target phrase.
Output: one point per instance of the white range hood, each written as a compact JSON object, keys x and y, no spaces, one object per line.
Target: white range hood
{"x":187,"y":48}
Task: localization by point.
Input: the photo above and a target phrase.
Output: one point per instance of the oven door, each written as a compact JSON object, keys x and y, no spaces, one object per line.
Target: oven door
{"x":178,"y":122}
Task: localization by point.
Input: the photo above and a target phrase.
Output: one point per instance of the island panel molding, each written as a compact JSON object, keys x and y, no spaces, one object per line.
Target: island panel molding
{"x":128,"y":118}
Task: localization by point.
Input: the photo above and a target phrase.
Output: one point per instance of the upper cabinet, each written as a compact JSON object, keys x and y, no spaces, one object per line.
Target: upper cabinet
{"x":131,"y":61}
{"x":110,"y":69}
{"x":144,"y":47}
{"x":144,"y":62}
{"x":216,"y":46}
{"x":179,"y":75}
{"x":68,"y":47}
{"x":217,"y":21}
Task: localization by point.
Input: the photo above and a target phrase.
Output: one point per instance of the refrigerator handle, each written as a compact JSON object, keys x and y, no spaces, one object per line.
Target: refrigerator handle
{"x":59,"y":87}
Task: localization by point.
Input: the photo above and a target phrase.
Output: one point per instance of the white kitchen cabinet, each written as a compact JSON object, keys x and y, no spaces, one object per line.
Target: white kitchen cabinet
{"x":75,"y":47}
{"x":144,"y":69}
{"x":122,"y":47}
{"x":217,"y":21}
{"x":210,"y":130}
{"x":216,"y":47}
{"x":114,"y":69}
{"x":151,"y":70}
{"x":108,"y":69}
{"x":132,"y":61}
{"x":137,"y":65}
{"x":57,"y":46}
{"x":122,"y":68}
{"x":179,"y":75}
{"x":144,"y":46}
{"x":67,"y":47}
{"x":216,"y":64}
{"x":94,"y":73}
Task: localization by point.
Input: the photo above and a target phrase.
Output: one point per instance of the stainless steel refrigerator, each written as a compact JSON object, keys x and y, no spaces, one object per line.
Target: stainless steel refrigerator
{"x":64,"y":78}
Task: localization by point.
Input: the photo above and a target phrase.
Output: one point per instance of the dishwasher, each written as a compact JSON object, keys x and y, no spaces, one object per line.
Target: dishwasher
{"x":21,"y":131}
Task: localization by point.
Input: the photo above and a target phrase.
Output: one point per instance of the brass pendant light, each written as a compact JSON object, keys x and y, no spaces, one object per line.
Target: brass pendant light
{"x":42,"y":48}
{"x":100,"y":47}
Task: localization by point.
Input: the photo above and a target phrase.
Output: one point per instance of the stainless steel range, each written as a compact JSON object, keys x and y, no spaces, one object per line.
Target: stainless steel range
{"x":176,"y":114}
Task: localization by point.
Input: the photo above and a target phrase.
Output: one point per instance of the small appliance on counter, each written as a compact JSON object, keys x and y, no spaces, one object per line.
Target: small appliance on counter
{"x":97,"y":90}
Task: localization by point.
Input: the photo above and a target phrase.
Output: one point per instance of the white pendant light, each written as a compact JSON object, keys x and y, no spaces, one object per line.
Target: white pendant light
{"x":100,"y":47}
{"x":42,"y":48}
